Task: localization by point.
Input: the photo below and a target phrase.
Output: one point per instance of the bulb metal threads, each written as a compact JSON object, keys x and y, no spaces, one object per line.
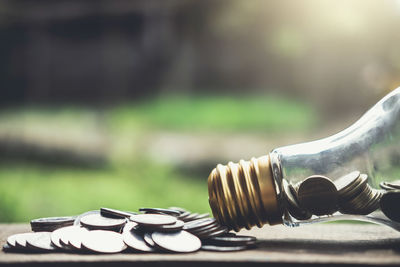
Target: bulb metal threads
{"x":243,"y":194}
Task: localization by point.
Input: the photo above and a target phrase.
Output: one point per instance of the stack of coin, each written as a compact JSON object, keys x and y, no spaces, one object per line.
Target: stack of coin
{"x":50,"y":224}
{"x":112,"y":231}
{"x":355,"y":194}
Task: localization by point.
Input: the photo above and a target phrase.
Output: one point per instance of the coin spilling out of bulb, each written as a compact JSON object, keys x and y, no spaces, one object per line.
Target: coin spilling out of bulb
{"x":318,"y":195}
{"x":112,"y":231}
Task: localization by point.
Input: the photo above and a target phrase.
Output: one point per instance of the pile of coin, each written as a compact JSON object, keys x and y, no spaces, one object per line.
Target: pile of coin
{"x":356,"y":196}
{"x":318,"y":195}
{"x":112,"y":231}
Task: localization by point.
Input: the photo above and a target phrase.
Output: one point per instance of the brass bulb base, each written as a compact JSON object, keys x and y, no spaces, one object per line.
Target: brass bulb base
{"x":244,"y":194}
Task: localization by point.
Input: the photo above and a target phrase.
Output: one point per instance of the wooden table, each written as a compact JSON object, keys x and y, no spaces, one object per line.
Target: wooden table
{"x":317,"y":245}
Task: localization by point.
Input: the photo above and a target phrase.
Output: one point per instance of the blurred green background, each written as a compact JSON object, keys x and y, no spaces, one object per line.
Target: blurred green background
{"x":129,"y":104}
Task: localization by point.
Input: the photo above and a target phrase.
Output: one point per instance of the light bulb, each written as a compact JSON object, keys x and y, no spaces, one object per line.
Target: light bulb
{"x":333,"y":178}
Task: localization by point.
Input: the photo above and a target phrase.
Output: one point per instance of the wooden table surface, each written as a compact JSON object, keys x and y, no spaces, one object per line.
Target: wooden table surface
{"x":317,"y":245}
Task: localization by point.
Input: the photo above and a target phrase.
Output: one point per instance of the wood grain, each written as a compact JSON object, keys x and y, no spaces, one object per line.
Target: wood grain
{"x":317,"y":245}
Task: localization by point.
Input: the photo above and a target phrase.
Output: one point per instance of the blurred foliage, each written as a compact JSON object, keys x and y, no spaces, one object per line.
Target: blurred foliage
{"x":30,"y":190}
{"x":244,"y":114}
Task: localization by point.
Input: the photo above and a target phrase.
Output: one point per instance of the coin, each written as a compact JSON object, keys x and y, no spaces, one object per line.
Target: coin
{"x":318,"y":195}
{"x":40,"y":241}
{"x":7,"y":247}
{"x":211,"y":227}
{"x":62,"y":233}
{"x":149,"y":241}
{"x":66,"y":234}
{"x":181,"y":241}
{"x":153,"y":219}
{"x":20,"y":239}
{"x":51,"y":223}
{"x":223,"y":249}
{"x":113,"y":213}
{"x":191,"y":217}
{"x":390,"y":205}
{"x":177,"y":226}
{"x":353,"y":190}
{"x":347,"y":182}
{"x":211,"y":232}
{"x":171,"y":212}
{"x":135,"y":239}
{"x":75,"y":238}
{"x":362,"y":199}
{"x":187,"y":216}
{"x":184,"y":215}
{"x":78,"y":218}
{"x":181,"y":210}
{"x":200,"y":223}
{"x":292,"y":203}
{"x":102,"y":241}
{"x":11,"y":240}
{"x":391,"y":185}
{"x":239,"y":240}
{"x":96,"y":221}
{"x":202,"y":216}
{"x":384,"y":186}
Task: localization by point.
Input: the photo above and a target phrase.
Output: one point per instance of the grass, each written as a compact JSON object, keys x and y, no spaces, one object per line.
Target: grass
{"x":31,"y":190}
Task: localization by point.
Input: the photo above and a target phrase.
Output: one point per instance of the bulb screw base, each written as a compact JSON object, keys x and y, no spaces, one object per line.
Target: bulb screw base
{"x":244,"y":194}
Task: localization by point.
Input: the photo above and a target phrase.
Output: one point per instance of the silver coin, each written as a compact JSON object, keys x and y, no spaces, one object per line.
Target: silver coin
{"x":69,"y":234}
{"x":103,"y":241}
{"x":214,"y":226}
{"x":153,"y":219}
{"x":75,"y":238}
{"x":222,"y":248}
{"x":181,"y":241}
{"x":149,"y":241}
{"x":7,"y":247}
{"x":96,"y":221}
{"x":40,"y":241}
{"x":171,"y":212}
{"x":177,"y":226}
{"x":20,"y":239}
{"x":62,"y":233}
{"x":217,"y":232}
{"x":11,"y":240}
{"x":181,"y":210}
{"x":239,"y":240}
{"x":135,"y":240}
{"x":191,"y":217}
{"x":54,"y":220}
{"x":200,"y":223}
{"x":77,"y":220}
{"x":107,"y":212}
{"x":202,"y":216}
{"x":184,"y":215}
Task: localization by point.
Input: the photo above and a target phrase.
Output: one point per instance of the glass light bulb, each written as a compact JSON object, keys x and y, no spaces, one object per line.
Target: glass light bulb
{"x":334,"y":178}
